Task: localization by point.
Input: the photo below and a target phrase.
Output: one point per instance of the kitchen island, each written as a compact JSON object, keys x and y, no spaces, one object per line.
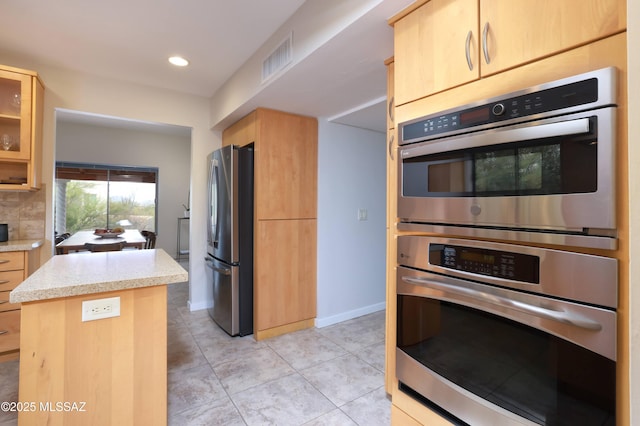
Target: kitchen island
{"x":97,"y":363}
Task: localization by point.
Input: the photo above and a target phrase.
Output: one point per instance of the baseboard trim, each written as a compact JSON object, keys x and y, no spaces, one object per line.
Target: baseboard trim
{"x":344,"y":316}
{"x":283,"y":329}
{"x":198,"y":306}
{"x":319,"y":322}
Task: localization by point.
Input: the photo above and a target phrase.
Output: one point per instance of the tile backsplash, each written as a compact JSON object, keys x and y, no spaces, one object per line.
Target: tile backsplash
{"x":24,"y":212}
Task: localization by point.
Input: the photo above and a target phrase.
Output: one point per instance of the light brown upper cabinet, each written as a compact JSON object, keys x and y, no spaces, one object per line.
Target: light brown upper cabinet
{"x":441,"y":44}
{"x":285,"y":161}
{"x":391,"y":120}
{"x":392,"y":149}
{"x":21,"y":110}
{"x":430,"y":46}
{"x":286,"y":166}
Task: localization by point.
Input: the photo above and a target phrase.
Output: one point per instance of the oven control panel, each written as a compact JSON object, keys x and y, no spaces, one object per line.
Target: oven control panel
{"x":500,"y":109}
{"x":500,"y":264}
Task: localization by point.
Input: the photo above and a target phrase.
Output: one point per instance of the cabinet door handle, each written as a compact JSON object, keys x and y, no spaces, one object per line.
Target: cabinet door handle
{"x":4,"y":281}
{"x":3,"y":332}
{"x":3,"y":302}
{"x":4,"y":261}
{"x":391,"y":139}
{"x":485,"y":49}
{"x":467,"y":50}
{"x":391,"y":109}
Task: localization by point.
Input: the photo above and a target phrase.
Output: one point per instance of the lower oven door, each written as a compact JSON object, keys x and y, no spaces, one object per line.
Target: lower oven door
{"x":491,"y":356}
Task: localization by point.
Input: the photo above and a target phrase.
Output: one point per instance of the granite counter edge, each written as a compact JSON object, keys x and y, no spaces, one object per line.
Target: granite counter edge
{"x":43,"y":294}
{"x":20,"y":245}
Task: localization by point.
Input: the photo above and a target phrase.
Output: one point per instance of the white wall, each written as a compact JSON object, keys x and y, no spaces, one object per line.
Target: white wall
{"x":171,"y":154}
{"x":313,"y":25}
{"x":351,"y":253}
{"x":66,"y":89}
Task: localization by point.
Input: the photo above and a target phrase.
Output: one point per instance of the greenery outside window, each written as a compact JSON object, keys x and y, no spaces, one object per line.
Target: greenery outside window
{"x":90,"y":196}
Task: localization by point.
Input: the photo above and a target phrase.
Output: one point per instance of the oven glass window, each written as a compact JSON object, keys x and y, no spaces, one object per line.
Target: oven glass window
{"x":521,"y":369}
{"x":556,"y":165}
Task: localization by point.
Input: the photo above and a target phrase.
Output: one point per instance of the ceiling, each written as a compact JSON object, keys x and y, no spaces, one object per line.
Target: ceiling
{"x":217,"y":37}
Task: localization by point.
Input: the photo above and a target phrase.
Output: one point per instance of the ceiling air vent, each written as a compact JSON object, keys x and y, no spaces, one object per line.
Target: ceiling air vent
{"x":278,"y":59}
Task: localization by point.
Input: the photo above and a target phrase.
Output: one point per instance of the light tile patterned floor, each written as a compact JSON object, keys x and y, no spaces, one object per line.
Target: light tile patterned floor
{"x":328,"y":376}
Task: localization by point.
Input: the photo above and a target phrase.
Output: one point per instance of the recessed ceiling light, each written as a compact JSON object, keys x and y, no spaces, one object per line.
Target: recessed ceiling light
{"x":178,"y":61}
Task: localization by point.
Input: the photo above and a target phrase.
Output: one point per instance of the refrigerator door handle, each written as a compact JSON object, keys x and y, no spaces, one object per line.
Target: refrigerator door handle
{"x":223,"y":271}
{"x":213,"y":202}
{"x":210,"y":203}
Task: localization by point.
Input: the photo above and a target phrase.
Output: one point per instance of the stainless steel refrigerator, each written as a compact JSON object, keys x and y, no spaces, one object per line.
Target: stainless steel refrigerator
{"x":230,"y":238}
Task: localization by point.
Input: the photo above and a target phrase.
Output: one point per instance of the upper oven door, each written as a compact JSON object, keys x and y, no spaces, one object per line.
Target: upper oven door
{"x":555,"y":173}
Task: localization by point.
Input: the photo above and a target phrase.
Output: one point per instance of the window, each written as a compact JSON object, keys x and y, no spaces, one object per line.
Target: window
{"x":90,"y":196}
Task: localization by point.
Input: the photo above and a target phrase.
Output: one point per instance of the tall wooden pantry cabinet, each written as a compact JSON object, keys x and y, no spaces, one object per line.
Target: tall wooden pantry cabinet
{"x":285,"y":217}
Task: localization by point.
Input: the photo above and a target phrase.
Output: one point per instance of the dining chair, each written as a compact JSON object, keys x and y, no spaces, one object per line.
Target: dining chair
{"x":60,"y":238}
{"x":94,"y":248}
{"x":151,"y":239}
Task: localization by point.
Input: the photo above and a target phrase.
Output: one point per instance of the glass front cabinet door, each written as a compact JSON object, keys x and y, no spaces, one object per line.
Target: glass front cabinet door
{"x":21,"y":95}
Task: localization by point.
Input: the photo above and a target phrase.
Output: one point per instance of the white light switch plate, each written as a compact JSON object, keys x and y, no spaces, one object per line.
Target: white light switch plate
{"x":100,"y":308}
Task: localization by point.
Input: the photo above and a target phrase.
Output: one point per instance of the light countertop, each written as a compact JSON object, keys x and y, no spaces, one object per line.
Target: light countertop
{"x":20,"y":245}
{"x":88,"y":273}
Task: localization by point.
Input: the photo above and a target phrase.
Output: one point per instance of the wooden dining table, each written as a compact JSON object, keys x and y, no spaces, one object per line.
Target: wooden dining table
{"x":131,"y":237}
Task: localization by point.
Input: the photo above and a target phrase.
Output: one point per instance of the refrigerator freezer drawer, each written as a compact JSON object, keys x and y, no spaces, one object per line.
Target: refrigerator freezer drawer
{"x":225,"y":281}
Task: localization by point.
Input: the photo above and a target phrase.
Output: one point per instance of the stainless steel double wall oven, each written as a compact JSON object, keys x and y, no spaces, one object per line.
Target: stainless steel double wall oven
{"x":502,"y":317}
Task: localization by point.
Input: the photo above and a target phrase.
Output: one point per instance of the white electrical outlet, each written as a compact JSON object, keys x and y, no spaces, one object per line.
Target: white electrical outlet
{"x":100,"y":308}
{"x":362,"y":214}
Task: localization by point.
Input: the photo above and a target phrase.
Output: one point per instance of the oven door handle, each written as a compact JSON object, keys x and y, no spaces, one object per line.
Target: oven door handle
{"x":559,"y":316}
{"x":561,"y":128}
{"x":514,"y":133}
